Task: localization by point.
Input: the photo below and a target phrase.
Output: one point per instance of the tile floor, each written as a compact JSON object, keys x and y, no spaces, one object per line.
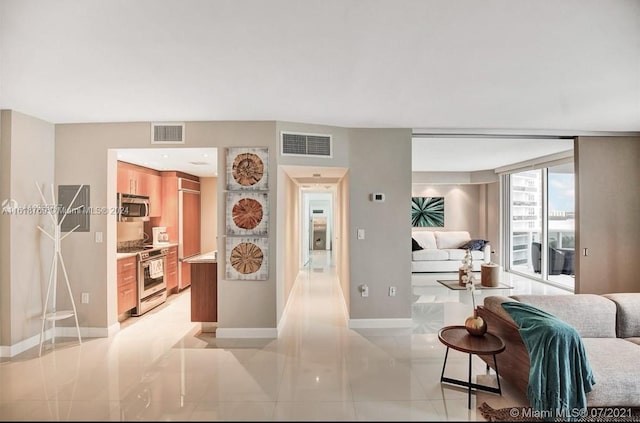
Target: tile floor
{"x":162,"y":367}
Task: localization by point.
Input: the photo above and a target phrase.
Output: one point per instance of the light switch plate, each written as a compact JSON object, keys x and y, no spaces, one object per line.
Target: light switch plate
{"x":360,"y":233}
{"x":98,"y":237}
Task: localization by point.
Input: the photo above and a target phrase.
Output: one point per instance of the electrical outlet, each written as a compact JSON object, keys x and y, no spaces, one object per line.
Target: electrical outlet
{"x":392,"y":291}
{"x":85,"y":298}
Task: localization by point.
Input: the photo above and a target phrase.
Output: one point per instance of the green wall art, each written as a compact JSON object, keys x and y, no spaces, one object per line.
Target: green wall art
{"x":427,"y":212}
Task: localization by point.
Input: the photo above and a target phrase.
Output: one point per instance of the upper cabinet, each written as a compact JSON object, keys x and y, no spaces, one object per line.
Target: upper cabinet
{"x":140,"y":180}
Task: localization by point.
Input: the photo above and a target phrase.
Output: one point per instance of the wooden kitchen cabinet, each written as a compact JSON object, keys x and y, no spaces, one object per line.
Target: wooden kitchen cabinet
{"x":171,"y":272}
{"x":127,"y":284}
{"x":204,"y":292}
{"x":139,"y":180}
{"x":182,"y":223}
{"x":154,"y":189}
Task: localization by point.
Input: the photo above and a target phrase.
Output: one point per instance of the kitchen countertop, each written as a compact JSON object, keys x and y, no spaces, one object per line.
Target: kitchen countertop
{"x":155,"y":247}
{"x":210,"y":257}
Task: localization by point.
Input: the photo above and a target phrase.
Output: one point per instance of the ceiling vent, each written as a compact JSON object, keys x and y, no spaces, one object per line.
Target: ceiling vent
{"x":298,"y":144}
{"x":167,"y":133}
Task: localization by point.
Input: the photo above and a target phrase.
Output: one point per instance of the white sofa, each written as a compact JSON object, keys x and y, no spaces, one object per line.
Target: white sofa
{"x":442,"y":253}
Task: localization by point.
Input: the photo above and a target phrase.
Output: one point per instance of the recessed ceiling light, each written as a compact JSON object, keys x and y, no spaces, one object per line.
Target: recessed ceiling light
{"x":205,"y":155}
{"x":165,"y":156}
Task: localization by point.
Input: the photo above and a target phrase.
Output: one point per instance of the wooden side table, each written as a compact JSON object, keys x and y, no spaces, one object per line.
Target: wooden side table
{"x":458,"y":338}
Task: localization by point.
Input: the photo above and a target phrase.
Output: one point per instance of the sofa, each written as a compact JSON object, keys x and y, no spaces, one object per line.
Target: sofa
{"x":443,"y":251}
{"x":609,"y":326}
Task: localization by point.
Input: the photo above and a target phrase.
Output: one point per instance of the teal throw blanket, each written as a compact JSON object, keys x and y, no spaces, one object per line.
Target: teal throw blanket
{"x":560,"y":375}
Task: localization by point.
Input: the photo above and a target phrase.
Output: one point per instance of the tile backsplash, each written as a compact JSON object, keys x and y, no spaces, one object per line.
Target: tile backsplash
{"x":130,"y":231}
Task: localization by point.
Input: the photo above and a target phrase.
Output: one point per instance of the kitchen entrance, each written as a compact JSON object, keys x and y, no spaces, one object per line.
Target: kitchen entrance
{"x":177,"y":188}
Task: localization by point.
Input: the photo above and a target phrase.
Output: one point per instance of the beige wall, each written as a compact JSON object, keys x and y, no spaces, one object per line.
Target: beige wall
{"x":341,"y":243}
{"x":380,"y":161}
{"x":5,"y":229}
{"x":93,"y":265}
{"x":492,"y":220}
{"x":461,"y":206}
{"x":209,"y":215}
{"x":467,"y":207}
{"x":290,"y":233}
{"x":607,"y":211}
{"x":28,"y":144}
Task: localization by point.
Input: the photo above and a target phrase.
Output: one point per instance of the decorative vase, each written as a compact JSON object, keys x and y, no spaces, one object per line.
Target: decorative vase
{"x":475,"y":324}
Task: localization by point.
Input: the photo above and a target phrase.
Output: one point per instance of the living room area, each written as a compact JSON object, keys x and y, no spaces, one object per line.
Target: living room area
{"x":502,"y":137}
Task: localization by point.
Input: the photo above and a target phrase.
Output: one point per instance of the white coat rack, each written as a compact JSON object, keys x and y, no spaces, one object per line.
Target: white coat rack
{"x":54,"y":315}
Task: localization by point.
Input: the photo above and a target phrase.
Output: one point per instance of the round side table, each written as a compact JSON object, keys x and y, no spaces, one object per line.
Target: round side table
{"x":458,"y":338}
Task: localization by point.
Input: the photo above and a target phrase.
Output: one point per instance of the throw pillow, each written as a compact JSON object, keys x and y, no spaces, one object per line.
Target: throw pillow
{"x":474,"y":244}
{"x":415,"y":246}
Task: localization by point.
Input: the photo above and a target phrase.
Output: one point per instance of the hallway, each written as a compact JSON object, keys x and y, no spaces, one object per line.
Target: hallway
{"x":161,"y":367}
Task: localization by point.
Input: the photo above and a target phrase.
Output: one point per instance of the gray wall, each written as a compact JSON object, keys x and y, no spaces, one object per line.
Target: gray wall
{"x":27,"y":152}
{"x":380,"y":161}
{"x":608,"y":212}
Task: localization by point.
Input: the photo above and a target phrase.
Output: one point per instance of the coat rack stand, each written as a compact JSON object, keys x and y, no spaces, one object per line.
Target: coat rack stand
{"x":54,"y":315}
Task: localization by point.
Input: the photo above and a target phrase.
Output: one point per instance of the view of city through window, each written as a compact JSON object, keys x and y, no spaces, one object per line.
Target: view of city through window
{"x":528,"y":194}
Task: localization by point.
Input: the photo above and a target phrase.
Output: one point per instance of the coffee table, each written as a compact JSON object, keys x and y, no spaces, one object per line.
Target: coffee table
{"x":459,"y":339}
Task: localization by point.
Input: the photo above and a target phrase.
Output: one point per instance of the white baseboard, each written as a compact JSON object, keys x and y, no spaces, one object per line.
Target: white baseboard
{"x":247,"y":333}
{"x":61,"y":331}
{"x":20,"y":347}
{"x":380,"y":323}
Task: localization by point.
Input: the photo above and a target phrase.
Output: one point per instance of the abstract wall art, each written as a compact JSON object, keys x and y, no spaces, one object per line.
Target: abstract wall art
{"x":427,"y":212}
{"x":247,"y":213}
{"x":247,"y":168}
{"x":247,"y":258}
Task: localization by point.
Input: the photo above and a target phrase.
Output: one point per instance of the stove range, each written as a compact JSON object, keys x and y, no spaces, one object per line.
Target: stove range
{"x":137,"y":249}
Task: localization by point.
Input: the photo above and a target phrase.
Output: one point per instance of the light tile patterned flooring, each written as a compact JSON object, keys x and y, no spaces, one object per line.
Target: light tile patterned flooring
{"x":162,"y":367}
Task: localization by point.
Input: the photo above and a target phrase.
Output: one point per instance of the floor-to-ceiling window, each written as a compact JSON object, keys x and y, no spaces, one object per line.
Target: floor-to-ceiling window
{"x":540,"y":213}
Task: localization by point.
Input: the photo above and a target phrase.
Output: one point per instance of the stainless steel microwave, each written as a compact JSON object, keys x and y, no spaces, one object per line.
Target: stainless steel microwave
{"x":133,"y":208}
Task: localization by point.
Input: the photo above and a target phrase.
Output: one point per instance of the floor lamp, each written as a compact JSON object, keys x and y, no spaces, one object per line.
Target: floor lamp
{"x":57,"y":237}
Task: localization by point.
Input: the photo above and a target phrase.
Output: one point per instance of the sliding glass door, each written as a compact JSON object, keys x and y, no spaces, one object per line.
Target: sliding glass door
{"x":526,"y":221}
{"x":561,"y":224}
{"x":541,"y":223}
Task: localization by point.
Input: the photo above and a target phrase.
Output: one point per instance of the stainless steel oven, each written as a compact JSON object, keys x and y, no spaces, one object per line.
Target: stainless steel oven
{"x":152,"y":287}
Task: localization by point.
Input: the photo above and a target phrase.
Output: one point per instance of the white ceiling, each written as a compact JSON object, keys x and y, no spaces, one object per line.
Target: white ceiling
{"x":201,"y":162}
{"x":438,"y":154}
{"x":566,"y":66}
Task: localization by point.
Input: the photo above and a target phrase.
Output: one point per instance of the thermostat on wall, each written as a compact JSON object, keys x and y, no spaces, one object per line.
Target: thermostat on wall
{"x":378,"y":197}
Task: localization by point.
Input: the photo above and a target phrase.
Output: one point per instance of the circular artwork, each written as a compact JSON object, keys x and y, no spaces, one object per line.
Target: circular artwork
{"x":247,"y":169}
{"x":247,"y":213}
{"x":246,"y":258}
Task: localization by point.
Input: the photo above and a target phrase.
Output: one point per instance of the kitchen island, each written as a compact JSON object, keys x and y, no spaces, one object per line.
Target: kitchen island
{"x":204,"y":287}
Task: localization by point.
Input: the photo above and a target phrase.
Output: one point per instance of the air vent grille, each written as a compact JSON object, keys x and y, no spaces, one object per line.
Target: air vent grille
{"x":167,"y":133}
{"x":296,"y":144}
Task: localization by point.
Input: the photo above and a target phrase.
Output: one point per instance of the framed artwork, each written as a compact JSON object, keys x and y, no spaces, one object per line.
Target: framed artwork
{"x":247,"y":168}
{"x":247,"y":258}
{"x":247,"y":213}
{"x":427,"y":212}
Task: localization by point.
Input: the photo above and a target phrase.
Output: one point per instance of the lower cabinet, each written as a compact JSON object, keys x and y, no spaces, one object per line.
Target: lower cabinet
{"x":171,"y":272}
{"x":127,"y":284}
